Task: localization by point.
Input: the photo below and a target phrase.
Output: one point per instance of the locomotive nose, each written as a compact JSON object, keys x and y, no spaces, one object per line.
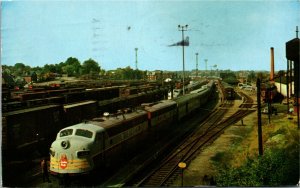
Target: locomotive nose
{"x":65,"y":144}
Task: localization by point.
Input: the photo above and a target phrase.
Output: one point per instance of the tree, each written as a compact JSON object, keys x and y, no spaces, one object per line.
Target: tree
{"x":50,"y":68}
{"x":229,"y":77}
{"x":8,"y":78}
{"x":69,"y":69}
{"x":19,"y":69}
{"x":252,"y":77}
{"x":34,"y":76}
{"x":90,"y":67}
{"x":72,"y":66}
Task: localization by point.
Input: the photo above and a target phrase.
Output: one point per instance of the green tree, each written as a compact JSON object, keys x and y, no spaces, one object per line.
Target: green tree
{"x":229,"y":77}
{"x":50,"y":68}
{"x":19,"y":69}
{"x":90,"y":67}
{"x":72,"y":66}
{"x":34,"y":76}
{"x":8,"y":78}
{"x":70,"y":70}
{"x":251,"y":77}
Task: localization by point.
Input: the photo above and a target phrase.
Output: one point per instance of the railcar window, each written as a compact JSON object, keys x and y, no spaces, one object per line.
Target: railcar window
{"x":66,"y":132}
{"x":84,"y":133}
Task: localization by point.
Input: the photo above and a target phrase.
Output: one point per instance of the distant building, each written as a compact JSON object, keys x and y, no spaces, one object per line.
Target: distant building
{"x":159,"y":75}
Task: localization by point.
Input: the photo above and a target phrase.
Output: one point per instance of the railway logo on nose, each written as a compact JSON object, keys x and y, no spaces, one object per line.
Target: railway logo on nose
{"x":63,"y":161}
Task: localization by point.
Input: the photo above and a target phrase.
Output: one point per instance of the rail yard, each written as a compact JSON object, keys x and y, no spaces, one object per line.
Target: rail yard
{"x":179,"y":130}
{"x":202,"y":130}
{"x":82,"y":123}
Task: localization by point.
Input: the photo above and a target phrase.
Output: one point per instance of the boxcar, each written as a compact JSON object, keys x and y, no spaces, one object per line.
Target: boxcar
{"x":77,"y":112}
{"x":31,"y":129}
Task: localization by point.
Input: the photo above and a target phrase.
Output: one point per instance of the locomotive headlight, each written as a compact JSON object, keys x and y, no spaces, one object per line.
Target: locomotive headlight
{"x":65,"y":144}
{"x":83,"y":153}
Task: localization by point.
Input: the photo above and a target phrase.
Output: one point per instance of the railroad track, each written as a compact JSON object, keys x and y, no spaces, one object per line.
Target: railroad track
{"x":167,"y":171}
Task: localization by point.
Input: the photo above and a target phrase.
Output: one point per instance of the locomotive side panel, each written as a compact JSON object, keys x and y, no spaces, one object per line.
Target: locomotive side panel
{"x":161,"y":114}
{"x":119,"y":147}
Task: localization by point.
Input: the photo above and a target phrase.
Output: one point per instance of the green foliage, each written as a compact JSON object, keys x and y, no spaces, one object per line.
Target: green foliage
{"x":34,"y":76}
{"x":279,"y":131}
{"x":229,"y":77}
{"x":126,"y":74}
{"x":277,"y":167}
{"x":8,"y":78}
{"x":251,"y":77}
{"x":90,"y":67}
{"x":71,"y":66}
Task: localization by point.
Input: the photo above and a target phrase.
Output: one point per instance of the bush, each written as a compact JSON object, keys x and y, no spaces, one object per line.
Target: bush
{"x":277,"y":167}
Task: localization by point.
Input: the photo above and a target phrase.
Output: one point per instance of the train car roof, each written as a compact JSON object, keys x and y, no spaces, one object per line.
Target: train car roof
{"x":183,"y":97}
{"x":115,"y":119}
{"x":115,"y":124}
{"x":78,"y":104}
{"x":30,"y":110}
{"x":198,"y":90}
{"x":159,"y":105}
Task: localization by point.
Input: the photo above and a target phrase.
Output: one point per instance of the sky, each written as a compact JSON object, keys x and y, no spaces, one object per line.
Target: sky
{"x":235,"y":35}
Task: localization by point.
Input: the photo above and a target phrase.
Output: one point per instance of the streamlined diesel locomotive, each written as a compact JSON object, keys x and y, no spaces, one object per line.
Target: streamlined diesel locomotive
{"x":80,"y":148}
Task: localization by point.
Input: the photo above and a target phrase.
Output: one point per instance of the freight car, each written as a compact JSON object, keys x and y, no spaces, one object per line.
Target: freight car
{"x":81,"y":148}
{"x":30,"y":130}
{"x":62,"y":96}
{"x":229,"y":93}
{"x":77,"y":112}
{"x":35,"y":119}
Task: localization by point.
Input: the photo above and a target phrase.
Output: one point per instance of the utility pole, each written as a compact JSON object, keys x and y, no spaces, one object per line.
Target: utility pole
{"x":197,"y":64}
{"x":182,"y":29}
{"x":205,"y":65}
{"x":136,"y":61}
{"x":259,"y":129}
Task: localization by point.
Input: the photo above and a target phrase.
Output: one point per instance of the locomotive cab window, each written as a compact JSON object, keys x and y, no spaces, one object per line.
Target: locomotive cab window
{"x":66,"y":132}
{"x":84,"y":133}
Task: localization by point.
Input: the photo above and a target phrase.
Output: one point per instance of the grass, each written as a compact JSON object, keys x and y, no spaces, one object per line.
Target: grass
{"x":238,"y":144}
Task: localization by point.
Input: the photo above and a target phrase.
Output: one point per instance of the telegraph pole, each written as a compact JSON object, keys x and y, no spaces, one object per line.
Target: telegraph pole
{"x":136,"y":61}
{"x":259,"y":129}
{"x":205,"y":66}
{"x":197,"y":64}
{"x":182,"y":29}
